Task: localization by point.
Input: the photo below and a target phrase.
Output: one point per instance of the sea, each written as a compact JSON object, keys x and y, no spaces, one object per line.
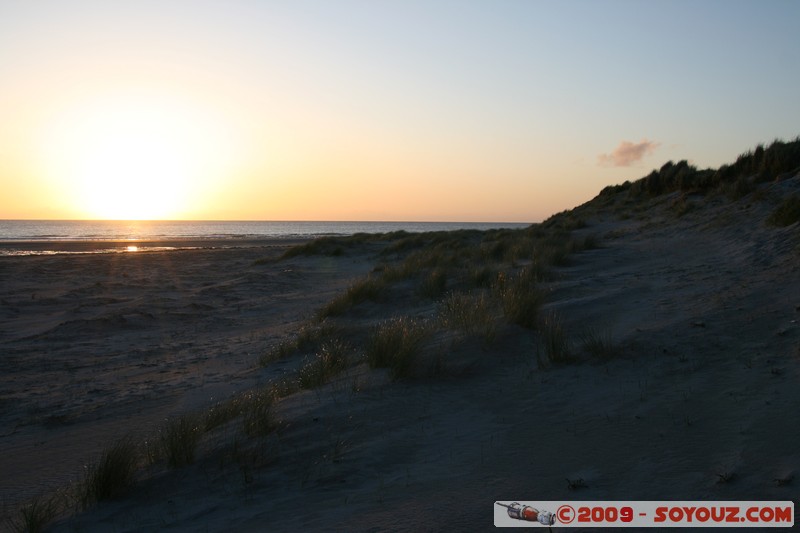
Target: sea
{"x":39,"y":237}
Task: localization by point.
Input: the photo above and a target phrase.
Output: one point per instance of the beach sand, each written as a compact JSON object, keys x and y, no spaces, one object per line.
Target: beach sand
{"x":99,"y":345}
{"x":696,"y":402}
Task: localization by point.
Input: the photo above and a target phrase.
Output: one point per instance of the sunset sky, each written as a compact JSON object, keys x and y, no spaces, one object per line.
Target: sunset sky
{"x":377,"y":110}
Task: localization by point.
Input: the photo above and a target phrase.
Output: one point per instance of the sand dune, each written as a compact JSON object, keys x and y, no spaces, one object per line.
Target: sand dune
{"x":693,"y":400}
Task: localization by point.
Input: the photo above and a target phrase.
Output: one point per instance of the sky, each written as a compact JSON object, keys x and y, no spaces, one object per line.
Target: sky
{"x":436,"y":110}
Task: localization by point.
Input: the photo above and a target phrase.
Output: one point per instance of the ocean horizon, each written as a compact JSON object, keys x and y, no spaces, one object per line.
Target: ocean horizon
{"x":27,"y":237}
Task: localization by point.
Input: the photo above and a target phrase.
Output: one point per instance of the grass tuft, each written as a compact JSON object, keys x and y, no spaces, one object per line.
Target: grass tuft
{"x":434,"y":284}
{"x":223,"y":412}
{"x":681,"y":205}
{"x":258,"y":418}
{"x":394,"y":345}
{"x":254,"y":407}
{"x":599,"y":344}
{"x":179,"y":439}
{"x":554,"y":339}
{"x":327,"y":246}
{"x":329,"y":361}
{"x":113,"y":474}
{"x":282,"y":350}
{"x":308,"y":339}
{"x":787,"y":213}
{"x":35,"y":516}
{"x":521,"y":298}
{"x":370,"y":288}
{"x":470,"y":313}
{"x":739,"y":188}
{"x":482,"y":276}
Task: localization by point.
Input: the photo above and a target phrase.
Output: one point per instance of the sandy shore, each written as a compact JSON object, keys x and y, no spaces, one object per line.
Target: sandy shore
{"x":95,"y":346}
{"x":27,"y":247}
{"x":695,"y":401}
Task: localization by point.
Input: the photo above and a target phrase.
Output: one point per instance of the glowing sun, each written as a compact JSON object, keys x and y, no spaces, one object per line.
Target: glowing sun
{"x":135,"y":156}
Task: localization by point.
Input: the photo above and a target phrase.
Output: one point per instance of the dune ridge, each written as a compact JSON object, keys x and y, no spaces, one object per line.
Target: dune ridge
{"x":643,"y":345}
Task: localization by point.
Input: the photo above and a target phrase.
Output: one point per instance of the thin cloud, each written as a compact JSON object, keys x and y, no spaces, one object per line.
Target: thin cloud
{"x":627,"y":153}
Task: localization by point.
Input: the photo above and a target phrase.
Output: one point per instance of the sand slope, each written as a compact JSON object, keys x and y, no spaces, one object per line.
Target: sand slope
{"x":696,"y":403}
{"x":96,"y":346}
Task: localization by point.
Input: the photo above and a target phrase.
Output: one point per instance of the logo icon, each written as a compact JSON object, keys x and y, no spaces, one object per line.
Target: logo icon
{"x":529,"y":514}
